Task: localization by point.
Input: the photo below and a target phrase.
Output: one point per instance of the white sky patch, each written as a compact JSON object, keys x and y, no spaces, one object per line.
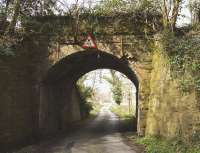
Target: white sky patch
{"x":101,"y":84}
{"x":85,"y":3}
{"x":185,"y":18}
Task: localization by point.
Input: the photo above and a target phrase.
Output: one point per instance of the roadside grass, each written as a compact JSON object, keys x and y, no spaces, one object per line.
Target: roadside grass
{"x":161,"y":145}
{"x":122,"y":111}
{"x":96,"y":107}
{"x":127,"y":118}
{"x":154,"y":144}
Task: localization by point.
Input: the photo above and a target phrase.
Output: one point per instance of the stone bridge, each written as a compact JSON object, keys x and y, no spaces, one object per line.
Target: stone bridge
{"x":39,"y":84}
{"x":72,"y":61}
{"x":120,"y":47}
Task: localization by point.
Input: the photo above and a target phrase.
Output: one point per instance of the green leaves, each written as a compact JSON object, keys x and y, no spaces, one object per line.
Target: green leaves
{"x":184,"y":55}
{"x":159,"y":145}
{"x":7,"y":45}
{"x":198,"y":84}
{"x":6,"y":51}
{"x":86,"y":94}
{"x":117,"y":93}
{"x":111,"y":6}
{"x":116,"y":87}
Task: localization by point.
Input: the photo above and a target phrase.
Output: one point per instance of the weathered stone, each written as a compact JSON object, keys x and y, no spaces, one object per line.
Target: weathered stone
{"x":171,"y":113}
{"x":38,"y":93}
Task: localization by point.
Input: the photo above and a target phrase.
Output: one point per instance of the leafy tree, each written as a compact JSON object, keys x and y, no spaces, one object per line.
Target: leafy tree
{"x":117,"y":93}
{"x":171,"y":9}
{"x":146,"y":14}
{"x":4,"y":13}
{"x":86,"y":94}
{"x":127,"y":6}
{"x":116,"y":86}
{"x":12,"y":12}
{"x":195,"y":10}
{"x":111,"y":6}
{"x":16,"y":13}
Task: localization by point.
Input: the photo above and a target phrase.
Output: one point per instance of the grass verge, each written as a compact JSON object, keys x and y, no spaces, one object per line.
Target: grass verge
{"x":96,"y":107}
{"x":127,"y":119}
{"x":160,"y":145}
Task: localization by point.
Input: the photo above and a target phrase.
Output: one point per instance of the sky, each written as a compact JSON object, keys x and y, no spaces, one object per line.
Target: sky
{"x":102,"y":85}
{"x":186,"y":13}
{"x":181,"y":20}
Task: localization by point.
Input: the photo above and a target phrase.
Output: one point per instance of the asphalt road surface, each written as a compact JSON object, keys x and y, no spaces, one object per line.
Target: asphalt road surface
{"x":101,"y":135}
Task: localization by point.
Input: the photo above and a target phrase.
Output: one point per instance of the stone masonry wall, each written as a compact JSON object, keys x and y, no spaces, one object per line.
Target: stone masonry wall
{"x":18,"y":98}
{"x":59,"y":107}
{"x":171,"y":113}
{"x":21,"y":92}
{"x":27,"y":108}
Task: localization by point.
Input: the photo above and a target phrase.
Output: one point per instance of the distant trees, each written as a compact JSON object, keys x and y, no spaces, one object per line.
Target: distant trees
{"x":116,"y":86}
{"x":13,"y":12}
{"x":170,"y":11}
{"x":195,"y":11}
{"x":114,"y":6}
{"x":86,"y":94}
{"x":16,"y":13}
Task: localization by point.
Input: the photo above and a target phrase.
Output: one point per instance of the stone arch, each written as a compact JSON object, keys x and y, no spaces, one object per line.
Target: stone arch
{"x":59,"y":85}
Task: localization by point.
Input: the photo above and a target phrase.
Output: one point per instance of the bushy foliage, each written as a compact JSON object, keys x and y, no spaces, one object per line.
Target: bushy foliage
{"x":145,"y":14}
{"x":116,"y":87}
{"x":117,"y":93}
{"x":195,"y":9}
{"x":122,"y":111}
{"x":158,"y":145}
{"x":109,"y":7}
{"x":127,"y":119}
{"x":184,"y":54}
{"x":86,"y":94}
{"x":7,"y":46}
{"x":6,"y":51}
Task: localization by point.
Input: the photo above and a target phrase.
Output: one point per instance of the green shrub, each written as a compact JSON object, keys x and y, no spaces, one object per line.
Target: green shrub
{"x":184,"y":57}
{"x":86,"y":94}
{"x":159,"y":145}
{"x":6,"y":51}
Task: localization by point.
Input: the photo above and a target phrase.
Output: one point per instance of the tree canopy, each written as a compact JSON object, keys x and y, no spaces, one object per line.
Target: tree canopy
{"x":12,"y":12}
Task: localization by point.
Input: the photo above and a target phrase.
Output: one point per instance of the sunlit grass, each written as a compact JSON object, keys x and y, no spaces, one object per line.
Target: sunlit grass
{"x":160,"y":145}
{"x":96,"y":107}
{"x":123,"y":111}
{"x":153,"y":144}
{"x":126,"y":116}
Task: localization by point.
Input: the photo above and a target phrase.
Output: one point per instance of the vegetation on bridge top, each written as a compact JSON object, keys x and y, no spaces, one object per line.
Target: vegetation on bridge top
{"x":21,"y":19}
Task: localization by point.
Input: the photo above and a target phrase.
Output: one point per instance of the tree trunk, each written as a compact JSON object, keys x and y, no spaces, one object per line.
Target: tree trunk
{"x":12,"y":25}
{"x":165,"y":14}
{"x":169,"y":21}
{"x":3,"y":20}
{"x":77,"y":16}
{"x":175,"y":13}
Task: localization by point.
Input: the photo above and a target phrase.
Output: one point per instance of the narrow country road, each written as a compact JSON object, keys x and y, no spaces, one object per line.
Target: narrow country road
{"x":99,"y":136}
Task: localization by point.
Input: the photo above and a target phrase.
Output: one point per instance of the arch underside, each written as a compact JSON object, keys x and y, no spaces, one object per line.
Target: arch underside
{"x":80,"y":63}
{"x":60,"y":83}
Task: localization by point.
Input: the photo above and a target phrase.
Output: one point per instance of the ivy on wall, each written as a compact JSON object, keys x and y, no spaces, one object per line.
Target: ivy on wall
{"x":184,"y":55}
